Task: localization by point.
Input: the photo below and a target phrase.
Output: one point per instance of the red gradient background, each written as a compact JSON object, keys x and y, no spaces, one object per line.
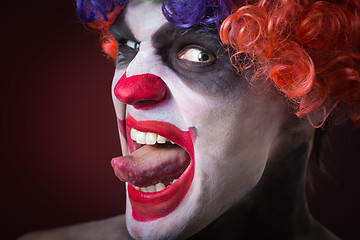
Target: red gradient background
{"x":59,"y":130}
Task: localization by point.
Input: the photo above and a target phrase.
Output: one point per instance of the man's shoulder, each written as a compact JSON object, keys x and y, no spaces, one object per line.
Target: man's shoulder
{"x":108,"y":229}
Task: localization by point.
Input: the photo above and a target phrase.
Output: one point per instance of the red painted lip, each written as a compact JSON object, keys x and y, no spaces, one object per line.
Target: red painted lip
{"x":151,"y":206}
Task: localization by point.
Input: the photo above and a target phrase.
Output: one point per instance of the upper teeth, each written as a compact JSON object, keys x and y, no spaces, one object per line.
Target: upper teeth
{"x":153,"y":188}
{"x":147,"y":137}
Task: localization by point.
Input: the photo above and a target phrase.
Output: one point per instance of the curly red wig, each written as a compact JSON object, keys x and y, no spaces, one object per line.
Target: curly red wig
{"x":309,"y":49}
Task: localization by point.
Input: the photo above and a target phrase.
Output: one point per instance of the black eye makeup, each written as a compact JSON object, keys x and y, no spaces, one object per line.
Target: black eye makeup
{"x":198,"y":58}
{"x":127,"y":44}
{"x":127,"y":50}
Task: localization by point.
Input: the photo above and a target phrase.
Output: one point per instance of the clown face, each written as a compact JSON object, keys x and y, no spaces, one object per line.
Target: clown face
{"x":195,"y":135}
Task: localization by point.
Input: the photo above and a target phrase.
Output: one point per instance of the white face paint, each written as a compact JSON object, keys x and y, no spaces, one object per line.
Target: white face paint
{"x":235,"y":132}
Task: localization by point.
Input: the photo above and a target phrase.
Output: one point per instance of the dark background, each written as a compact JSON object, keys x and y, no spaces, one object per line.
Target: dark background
{"x":59,"y":131}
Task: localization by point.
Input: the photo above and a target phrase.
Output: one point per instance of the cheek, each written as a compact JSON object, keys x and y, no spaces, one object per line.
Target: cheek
{"x":117,"y":75}
{"x":234,"y":142}
{"x":225,"y":179}
{"x":119,"y":106}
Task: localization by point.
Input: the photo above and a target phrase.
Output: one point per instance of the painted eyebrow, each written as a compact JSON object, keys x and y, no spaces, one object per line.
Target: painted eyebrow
{"x":171,"y":32}
{"x":119,"y":29}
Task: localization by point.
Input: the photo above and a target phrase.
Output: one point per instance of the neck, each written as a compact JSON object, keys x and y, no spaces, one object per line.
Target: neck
{"x":276,"y":208}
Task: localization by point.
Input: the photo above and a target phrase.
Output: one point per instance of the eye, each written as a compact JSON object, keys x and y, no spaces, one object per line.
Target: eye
{"x":127,"y":50}
{"x":197,"y":55}
{"x":130,"y":44}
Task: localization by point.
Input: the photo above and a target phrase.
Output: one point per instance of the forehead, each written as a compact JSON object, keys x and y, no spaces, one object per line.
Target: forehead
{"x":143,"y":18}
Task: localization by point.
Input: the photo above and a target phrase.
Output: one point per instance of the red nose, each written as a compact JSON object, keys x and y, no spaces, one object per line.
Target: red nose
{"x":142,"y":91}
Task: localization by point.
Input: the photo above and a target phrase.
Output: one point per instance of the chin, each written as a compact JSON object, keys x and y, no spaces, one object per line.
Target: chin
{"x":191,"y":216}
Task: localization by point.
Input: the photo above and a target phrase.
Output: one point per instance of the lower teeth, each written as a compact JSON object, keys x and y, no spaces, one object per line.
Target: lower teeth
{"x":154,"y":188}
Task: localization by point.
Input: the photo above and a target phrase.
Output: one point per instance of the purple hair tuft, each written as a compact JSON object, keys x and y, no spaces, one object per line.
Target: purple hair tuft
{"x":91,"y":10}
{"x":182,"y":13}
{"x":185,"y":13}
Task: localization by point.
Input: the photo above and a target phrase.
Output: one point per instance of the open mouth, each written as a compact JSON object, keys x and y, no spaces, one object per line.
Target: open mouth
{"x":159,"y":169}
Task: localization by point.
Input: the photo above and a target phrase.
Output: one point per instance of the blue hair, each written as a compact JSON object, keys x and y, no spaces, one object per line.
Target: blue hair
{"x":91,"y":10}
{"x":182,"y":13}
{"x":187,"y":13}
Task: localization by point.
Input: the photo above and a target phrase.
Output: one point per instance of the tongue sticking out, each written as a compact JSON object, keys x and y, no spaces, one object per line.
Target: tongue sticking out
{"x":151,"y":164}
